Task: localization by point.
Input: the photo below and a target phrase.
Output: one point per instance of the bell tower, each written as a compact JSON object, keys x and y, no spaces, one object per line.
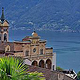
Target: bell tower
{"x":4,"y":28}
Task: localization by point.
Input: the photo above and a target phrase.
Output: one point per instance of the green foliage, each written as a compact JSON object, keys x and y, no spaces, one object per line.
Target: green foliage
{"x":78,"y":75}
{"x":12,"y":69}
{"x":59,"y":68}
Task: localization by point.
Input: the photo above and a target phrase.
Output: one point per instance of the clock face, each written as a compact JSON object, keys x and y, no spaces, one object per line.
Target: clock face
{"x":34,"y":50}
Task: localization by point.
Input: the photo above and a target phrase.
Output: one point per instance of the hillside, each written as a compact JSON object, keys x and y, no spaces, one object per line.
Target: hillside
{"x":63,"y":15}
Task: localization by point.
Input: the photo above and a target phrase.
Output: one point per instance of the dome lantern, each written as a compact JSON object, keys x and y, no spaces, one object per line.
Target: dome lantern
{"x":34,"y":34}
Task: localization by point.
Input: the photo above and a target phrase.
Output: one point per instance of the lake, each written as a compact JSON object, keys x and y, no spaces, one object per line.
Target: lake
{"x":66,"y":45}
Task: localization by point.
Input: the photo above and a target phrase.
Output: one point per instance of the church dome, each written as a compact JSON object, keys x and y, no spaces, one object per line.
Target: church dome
{"x":34,"y":34}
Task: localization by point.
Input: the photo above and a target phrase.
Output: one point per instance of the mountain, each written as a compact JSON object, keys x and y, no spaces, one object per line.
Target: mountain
{"x":63,"y":15}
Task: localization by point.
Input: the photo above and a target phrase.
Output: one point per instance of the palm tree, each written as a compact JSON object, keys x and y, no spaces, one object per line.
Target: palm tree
{"x":12,"y":69}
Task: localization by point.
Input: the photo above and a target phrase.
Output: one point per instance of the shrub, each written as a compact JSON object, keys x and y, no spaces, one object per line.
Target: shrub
{"x":59,"y":69}
{"x":78,"y":75}
{"x":12,"y":69}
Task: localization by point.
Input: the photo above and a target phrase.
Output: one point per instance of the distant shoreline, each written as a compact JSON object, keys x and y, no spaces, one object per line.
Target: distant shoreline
{"x":71,"y":31}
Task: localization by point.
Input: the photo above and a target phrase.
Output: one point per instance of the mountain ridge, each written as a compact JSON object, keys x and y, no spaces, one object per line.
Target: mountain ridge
{"x":63,"y":15}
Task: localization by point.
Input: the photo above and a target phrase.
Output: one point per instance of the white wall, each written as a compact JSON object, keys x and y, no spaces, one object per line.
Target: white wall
{"x":28,"y":62}
{"x":54,"y":61}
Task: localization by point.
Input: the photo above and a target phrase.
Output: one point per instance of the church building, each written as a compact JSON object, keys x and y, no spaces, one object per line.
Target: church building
{"x":31,"y":47}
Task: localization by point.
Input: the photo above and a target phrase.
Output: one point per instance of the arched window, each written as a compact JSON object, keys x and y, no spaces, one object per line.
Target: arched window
{"x":34,"y":63}
{"x":48,"y":63}
{"x":41,"y":63}
{"x":5,"y":37}
{"x":41,"y":51}
{"x":27,"y":53}
{"x":7,"y":48}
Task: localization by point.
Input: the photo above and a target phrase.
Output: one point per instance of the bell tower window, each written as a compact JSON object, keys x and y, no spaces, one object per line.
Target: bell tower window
{"x":5,"y":37}
{"x":5,"y":29}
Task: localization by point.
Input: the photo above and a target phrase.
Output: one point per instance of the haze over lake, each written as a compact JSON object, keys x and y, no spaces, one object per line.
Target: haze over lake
{"x":66,"y":45}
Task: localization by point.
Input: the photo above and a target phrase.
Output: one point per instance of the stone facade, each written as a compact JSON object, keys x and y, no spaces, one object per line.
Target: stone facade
{"x":31,"y":47}
{"x":34,"y":49}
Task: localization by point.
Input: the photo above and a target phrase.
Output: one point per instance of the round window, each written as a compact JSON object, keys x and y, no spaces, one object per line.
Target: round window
{"x":34,"y":50}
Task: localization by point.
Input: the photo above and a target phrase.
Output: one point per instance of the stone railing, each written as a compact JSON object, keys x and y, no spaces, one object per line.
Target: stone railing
{"x":39,"y":55}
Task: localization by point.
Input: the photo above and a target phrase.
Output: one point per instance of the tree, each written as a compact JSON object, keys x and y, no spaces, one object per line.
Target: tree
{"x":59,"y":68}
{"x":78,"y":75}
{"x":12,"y":69}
